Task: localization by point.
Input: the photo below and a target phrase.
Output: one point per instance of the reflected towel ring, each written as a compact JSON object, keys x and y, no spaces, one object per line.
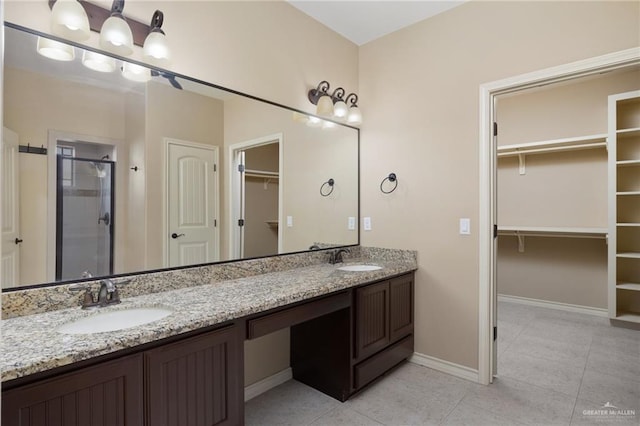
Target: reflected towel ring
{"x":391,"y":178}
{"x":330,"y":183}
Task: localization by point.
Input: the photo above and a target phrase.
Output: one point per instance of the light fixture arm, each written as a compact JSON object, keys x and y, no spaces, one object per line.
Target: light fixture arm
{"x":156,"y":22}
{"x":117,"y":7}
{"x":353,"y":98}
{"x":315,"y":94}
{"x":337,"y":95}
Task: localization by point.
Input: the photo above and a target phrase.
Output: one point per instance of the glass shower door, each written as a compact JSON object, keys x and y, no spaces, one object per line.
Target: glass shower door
{"x":84,"y":217}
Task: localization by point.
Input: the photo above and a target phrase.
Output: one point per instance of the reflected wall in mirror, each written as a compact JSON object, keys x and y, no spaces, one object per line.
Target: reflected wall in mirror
{"x":160,"y":173}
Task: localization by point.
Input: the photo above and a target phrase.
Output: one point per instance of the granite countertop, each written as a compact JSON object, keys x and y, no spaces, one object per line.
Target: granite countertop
{"x":31,"y":344}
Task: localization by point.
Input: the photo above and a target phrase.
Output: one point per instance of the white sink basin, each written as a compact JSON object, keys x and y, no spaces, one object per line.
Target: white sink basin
{"x":359,"y":268}
{"x":115,"y":320}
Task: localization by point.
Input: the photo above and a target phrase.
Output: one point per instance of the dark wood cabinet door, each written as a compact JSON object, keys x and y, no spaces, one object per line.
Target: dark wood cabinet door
{"x":109,"y":394}
{"x":196,"y":381}
{"x":372,"y":319}
{"x":401,"y":307}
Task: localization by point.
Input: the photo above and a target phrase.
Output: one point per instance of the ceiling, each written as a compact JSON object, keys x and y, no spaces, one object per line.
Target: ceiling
{"x":362,"y":21}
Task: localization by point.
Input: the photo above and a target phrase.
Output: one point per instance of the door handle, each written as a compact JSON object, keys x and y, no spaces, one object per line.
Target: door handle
{"x":174,"y":235}
{"x":18,"y":240}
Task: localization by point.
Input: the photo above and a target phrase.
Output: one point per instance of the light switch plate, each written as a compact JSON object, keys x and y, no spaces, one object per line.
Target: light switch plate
{"x":290,"y":221}
{"x":367,"y":223}
{"x":465,"y":226}
{"x":351,"y":226}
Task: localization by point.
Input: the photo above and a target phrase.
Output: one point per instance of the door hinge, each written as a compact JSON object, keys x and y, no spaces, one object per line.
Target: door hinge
{"x":241,"y":168}
{"x":495,"y":332}
{"x":240,"y":222}
{"x":495,"y":231}
{"x":215,"y":222}
{"x":495,"y":128}
{"x":215,"y":167}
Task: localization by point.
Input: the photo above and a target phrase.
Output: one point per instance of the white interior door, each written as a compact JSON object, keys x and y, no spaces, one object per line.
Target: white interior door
{"x":10,"y":266}
{"x":192,"y":206}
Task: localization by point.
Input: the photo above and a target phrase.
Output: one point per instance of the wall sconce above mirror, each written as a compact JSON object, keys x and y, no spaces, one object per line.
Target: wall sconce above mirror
{"x":335,"y":105}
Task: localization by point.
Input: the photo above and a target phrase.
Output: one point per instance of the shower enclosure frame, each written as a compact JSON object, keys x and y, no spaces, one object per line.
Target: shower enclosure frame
{"x":59,"y":213}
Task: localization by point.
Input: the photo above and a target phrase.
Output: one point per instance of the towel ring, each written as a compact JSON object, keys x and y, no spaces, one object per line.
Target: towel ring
{"x":329,"y":183}
{"x":391,"y":178}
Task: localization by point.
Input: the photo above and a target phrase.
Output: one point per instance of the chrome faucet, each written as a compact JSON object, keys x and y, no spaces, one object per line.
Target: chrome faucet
{"x":336,"y":256}
{"x":107,"y":295}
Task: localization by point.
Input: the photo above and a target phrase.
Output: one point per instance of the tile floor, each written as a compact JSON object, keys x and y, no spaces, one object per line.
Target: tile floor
{"x":554,"y":368}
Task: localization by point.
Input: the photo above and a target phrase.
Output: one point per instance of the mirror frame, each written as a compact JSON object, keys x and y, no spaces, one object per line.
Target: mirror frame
{"x":7,"y":24}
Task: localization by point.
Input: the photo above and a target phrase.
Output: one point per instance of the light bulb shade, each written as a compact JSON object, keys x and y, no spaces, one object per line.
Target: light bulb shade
{"x":155,"y":49}
{"x":98,"y":62}
{"x":136,"y":72}
{"x":55,"y":50}
{"x":69,"y":20}
{"x":325,"y":106}
{"x":355,"y":116}
{"x":340,"y":109}
{"x":116,"y":36}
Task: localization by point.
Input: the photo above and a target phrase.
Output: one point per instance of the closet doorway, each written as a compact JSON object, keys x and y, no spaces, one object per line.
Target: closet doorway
{"x":493,"y":97}
{"x":255,"y":206}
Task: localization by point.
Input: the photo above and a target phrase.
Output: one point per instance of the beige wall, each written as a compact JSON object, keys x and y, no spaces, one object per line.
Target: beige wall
{"x":419,"y":97}
{"x":173,"y":114}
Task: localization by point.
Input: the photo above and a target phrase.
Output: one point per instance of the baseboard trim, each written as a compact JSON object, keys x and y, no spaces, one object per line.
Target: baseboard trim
{"x":599,"y":312}
{"x":266,"y":384}
{"x":454,"y":369}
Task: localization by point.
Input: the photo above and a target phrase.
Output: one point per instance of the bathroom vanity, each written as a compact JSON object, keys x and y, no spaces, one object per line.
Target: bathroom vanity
{"x":347,"y":329}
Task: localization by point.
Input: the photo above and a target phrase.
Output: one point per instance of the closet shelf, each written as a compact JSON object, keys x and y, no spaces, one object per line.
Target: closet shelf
{"x":272,"y":223}
{"x":629,"y":254}
{"x":628,"y":163}
{"x":628,"y":133}
{"x":553,"y":231}
{"x":628,"y":193}
{"x":628,"y":286}
{"x":261,"y":174}
{"x":555,"y":145}
{"x":630,"y":224}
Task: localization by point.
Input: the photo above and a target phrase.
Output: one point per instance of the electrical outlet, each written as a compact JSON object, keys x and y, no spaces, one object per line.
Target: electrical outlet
{"x":351,"y":226}
{"x":465,"y":226}
{"x":289,"y":221}
{"x":367,"y":223}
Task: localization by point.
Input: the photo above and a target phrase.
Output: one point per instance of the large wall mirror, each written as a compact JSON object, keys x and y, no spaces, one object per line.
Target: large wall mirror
{"x":110,"y":174}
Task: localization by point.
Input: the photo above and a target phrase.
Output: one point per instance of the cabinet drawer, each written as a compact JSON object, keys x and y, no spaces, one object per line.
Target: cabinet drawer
{"x":375,"y":366}
{"x":296,"y":315}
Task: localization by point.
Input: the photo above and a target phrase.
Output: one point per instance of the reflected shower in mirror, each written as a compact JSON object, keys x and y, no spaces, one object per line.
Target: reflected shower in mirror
{"x":113,"y":175}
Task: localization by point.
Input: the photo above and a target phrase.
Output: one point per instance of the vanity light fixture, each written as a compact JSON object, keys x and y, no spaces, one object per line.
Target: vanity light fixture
{"x":354,"y":116}
{"x":55,"y":50}
{"x":69,"y":20}
{"x":335,"y":105}
{"x":98,"y":62}
{"x":115,"y":34}
{"x":155,"y":48}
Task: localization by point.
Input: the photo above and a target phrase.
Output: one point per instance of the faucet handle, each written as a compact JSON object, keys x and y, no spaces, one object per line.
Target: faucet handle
{"x":87,"y":298}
